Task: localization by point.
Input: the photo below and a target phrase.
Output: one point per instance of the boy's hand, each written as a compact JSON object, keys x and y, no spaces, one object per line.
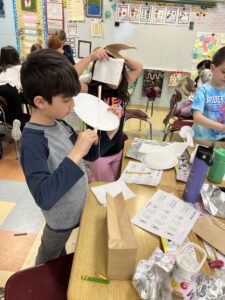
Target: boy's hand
{"x":83,"y":144}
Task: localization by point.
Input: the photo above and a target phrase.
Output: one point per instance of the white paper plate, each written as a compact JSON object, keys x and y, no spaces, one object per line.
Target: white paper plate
{"x":159,"y":161}
{"x":94,"y":112}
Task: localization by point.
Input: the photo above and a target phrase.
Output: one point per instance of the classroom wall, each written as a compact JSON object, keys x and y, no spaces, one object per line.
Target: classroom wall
{"x":7,"y":26}
{"x":114,"y":34}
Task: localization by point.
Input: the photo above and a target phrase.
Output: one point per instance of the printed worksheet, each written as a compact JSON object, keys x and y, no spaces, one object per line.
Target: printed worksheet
{"x":136,"y":172}
{"x":167,"y":216}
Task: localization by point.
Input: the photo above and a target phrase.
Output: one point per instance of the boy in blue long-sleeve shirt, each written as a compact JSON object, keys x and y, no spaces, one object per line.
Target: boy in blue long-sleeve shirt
{"x":51,"y":152}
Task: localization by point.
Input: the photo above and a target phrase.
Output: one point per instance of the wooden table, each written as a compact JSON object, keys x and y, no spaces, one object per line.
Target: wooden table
{"x":91,"y":248}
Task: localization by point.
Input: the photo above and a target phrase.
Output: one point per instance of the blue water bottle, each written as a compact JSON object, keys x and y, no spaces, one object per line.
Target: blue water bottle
{"x":198,"y":173}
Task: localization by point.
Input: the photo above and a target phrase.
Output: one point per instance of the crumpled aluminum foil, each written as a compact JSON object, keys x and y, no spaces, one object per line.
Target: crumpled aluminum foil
{"x":214,"y":200}
{"x":150,"y":277}
{"x":210,"y":288}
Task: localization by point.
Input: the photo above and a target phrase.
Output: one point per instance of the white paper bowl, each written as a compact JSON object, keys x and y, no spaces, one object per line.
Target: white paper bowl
{"x":94,"y":112}
{"x":159,"y":161}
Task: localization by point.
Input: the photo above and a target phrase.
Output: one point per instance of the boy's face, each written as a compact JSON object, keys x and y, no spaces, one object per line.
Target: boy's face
{"x":61,"y":106}
{"x":218,"y":75}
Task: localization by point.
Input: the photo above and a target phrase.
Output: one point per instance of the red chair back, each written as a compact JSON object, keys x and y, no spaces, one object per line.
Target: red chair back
{"x":48,"y":281}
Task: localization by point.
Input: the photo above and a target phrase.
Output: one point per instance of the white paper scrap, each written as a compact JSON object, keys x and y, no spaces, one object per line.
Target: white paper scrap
{"x":168,"y":216}
{"x":113,"y":189}
{"x":136,"y":172}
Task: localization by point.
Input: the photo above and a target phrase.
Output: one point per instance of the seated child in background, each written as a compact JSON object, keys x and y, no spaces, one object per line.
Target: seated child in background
{"x":209,"y":102}
{"x":186,"y":88}
{"x":35,"y":47}
{"x":204,"y":72}
{"x":51,"y":152}
{"x":10,"y":86}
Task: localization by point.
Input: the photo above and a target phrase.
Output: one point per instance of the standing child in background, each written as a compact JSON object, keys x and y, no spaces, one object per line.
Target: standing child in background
{"x":67,"y":49}
{"x":55,"y":43}
{"x":204,"y":73}
{"x":209,"y":103}
{"x":51,"y":153}
{"x":107,"y":167}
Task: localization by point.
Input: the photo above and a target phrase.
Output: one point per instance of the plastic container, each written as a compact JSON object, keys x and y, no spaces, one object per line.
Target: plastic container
{"x":217,"y":170}
{"x":182,"y":281}
{"x":198,"y":173}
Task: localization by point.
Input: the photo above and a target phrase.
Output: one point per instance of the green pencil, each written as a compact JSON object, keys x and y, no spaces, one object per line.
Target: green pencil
{"x":96,"y":279}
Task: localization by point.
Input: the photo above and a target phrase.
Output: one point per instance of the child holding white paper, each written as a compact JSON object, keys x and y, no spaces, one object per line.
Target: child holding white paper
{"x":107,"y":167}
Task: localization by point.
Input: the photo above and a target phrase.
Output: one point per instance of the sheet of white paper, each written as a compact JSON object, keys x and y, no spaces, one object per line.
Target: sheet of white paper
{"x":152,"y":177}
{"x":175,"y":149}
{"x":113,"y":189}
{"x":108,"y":71}
{"x":167,"y":216}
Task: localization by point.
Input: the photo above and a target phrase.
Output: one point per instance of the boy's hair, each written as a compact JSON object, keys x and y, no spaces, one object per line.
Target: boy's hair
{"x":61,"y":35}
{"x":219,"y":57}
{"x":9,"y":57}
{"x":48,"y":73}
{"x":204,"y":63}
{"x":54,"y":42}
{"x":35,"y":47}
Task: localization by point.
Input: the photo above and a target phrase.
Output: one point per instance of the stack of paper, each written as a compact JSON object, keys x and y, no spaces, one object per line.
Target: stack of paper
{"x":136,"y":172}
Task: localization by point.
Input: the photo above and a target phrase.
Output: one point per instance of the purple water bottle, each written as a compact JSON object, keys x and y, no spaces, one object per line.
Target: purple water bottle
{"x":198,"y":173}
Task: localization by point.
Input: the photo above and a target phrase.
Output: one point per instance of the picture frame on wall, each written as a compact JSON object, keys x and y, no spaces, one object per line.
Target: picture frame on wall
{"x":84,"y":48}
{"x":94,"y":8}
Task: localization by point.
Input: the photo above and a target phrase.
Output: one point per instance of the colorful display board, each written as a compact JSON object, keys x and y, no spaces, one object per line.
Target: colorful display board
{"x":30,"y":24}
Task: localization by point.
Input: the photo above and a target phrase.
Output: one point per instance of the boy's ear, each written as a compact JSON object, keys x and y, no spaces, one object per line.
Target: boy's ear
{"x":39,"y":102}
{"x":212,"y":67}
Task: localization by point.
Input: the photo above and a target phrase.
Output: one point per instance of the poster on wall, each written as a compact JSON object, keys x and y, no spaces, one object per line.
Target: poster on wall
{"x":134,"y":13}
{"x":94,"y":8}
{"x":29,"y":5}
{"x":206,"y":44}
{"x":171,"y":15}
{"x":145,"y":16}
{"x":152,"y":78}
{"x":184,"y":15}
{"x":55,"y":17}
{"x":158,"y":14}
{"x":2,"y":9}
{"x":175,"y":77}
{"x":122,"y":12}
{"x":30,"y":22}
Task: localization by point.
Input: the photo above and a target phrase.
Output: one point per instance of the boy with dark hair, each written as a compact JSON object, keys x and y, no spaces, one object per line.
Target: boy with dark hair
{"x":51,"y":152}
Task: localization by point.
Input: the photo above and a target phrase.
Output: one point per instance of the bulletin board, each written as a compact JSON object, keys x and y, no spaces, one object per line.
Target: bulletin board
{"x":159,"y":46}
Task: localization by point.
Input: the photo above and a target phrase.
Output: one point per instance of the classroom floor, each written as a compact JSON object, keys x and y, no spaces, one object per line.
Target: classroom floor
{"x":19,"y":214}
